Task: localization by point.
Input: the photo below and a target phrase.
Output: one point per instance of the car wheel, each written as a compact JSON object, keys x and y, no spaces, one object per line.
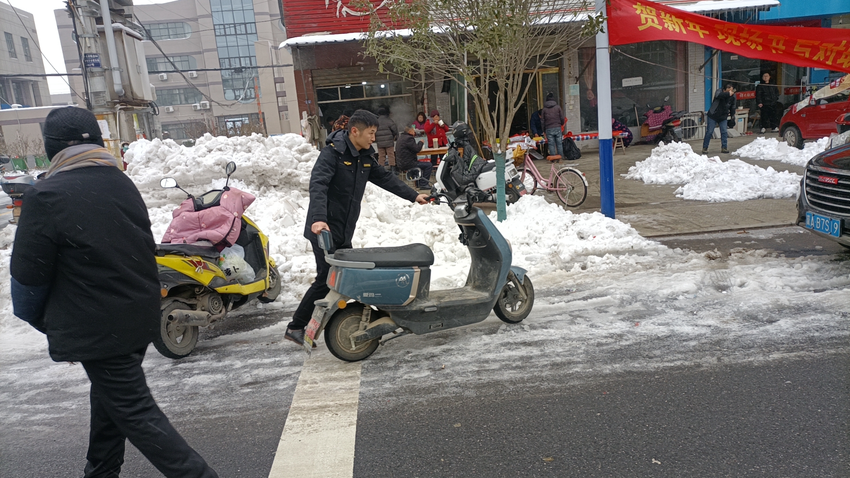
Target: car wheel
{"x":791,"y":135}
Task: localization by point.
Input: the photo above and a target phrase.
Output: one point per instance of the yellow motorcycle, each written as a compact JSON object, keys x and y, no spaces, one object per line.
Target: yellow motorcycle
{"x":196,"y":291}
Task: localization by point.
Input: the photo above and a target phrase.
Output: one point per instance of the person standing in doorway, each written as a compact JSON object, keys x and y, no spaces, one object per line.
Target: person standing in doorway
{"x":337,"y":184}
{"x":722,"y":106}
{"x":385,"y":138}
{"x":435,"y":131}
{"x":553,"y":120}
{"x":767,"y":97}
{"x":84,"y":274}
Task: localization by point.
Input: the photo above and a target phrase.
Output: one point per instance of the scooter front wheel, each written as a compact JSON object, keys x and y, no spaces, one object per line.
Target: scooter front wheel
{"x":515,"y":300}
{"x":338,"y":332}
{"x":175,"y":341}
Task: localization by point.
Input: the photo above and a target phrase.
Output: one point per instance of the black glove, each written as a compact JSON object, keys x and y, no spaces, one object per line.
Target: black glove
{"x":730,"y":123}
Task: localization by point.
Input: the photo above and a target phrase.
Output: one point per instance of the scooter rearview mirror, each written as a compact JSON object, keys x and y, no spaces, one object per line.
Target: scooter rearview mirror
{"x":666,"y":99}
{"x":229,"y":169}
{"x":168,"y":183}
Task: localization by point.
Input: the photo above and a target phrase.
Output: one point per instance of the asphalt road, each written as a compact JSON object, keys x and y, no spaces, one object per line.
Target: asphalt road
{"x":747,"y":405}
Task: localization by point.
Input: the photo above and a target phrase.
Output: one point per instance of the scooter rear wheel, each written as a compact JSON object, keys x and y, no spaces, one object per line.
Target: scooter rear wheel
{"x":511,"y":306}
{"x":175,"y":341}
{"x":274,"y":287}
{"x":344,"y":323}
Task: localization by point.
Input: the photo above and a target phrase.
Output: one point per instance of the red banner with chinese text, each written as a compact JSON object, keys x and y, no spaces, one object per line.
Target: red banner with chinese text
{"x":633,"y":21}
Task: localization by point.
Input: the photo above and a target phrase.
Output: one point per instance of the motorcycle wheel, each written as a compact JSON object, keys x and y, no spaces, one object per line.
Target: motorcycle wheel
{"x":175,"y":341}
{"x":511,"y":307}
{"x":529,"y":181}
{"x":511,"y":195}
{"x":344,"y":323}
{"x":274,"y":287}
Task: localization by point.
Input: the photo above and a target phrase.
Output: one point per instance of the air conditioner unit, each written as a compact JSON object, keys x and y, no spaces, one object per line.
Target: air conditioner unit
{"x":192,"y":74}
{"x":205,"y":105}
{"x":169,"y":109}
{"x":196,"y":106}
{"x":163,"y":76}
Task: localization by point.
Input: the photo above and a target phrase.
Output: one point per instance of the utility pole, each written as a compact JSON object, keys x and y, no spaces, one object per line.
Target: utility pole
{"x":259,"y":108}
{"x":118,"y":91}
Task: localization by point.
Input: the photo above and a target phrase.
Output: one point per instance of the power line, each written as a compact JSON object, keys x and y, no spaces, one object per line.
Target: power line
{"x":35,"y":42}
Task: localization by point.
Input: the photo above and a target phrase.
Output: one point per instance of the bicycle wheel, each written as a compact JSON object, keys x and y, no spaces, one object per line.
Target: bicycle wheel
{"x":528,"y":180}
{"x":571,"y":187}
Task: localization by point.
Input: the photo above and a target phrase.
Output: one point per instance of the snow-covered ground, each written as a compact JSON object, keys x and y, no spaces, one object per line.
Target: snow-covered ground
{"x":708,"y":178}
{"x":608,"y":299}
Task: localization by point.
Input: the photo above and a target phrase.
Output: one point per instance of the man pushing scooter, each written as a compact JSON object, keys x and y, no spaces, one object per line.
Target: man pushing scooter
{"x":337,"y":184}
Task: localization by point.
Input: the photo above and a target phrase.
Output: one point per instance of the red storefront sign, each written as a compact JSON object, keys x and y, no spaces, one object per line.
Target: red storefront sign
{"x":746,"y":95}
{"x":632,"y":21}
{"x":328,"y":16}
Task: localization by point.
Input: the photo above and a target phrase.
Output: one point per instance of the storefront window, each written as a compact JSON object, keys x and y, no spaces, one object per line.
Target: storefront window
{"x":641,"y":74}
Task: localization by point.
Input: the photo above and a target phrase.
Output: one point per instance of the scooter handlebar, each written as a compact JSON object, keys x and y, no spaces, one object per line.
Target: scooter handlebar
{"x":325,"y":242}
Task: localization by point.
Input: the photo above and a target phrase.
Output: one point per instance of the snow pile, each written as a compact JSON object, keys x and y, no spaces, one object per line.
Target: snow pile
{"x":773,"y":149}
{"x":552,"y":243}
{"x":277,"y":161}
{"x":710,"y":179}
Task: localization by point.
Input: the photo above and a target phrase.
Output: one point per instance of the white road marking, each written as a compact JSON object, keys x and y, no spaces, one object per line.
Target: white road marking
{"x":318,"y":438}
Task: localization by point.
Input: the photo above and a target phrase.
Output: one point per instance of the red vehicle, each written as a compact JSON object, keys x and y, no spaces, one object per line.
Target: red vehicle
{"x":814,"y":121}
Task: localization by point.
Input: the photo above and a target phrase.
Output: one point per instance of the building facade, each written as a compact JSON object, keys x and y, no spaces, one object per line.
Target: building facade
{"x":332,"y":76}
{"x":214,"y":64}
{"x":19,"y":55}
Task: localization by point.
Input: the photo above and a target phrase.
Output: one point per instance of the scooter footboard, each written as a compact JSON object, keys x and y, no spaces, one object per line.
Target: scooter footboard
{"x":322,"y":312}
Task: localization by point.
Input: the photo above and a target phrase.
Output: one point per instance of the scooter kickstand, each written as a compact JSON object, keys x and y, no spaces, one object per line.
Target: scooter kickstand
{"x":395,"y":336}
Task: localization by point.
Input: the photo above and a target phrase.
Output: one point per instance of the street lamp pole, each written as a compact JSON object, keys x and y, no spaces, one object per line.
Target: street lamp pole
{"x":603,"y":96}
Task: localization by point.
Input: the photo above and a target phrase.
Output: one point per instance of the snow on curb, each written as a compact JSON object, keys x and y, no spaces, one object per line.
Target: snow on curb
{"x":710,"y":179}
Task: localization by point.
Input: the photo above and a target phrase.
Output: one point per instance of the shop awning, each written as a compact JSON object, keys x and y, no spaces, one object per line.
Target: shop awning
{"x":704,"y":6}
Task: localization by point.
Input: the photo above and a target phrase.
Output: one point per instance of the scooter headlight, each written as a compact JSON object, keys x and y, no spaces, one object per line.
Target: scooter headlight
{"x":510,"y":247}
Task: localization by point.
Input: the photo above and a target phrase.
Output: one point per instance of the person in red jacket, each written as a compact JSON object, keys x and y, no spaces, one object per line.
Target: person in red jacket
{"x":435,"y":128}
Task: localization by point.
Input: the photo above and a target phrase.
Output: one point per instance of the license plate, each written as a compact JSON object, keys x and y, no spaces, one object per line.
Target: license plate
{"x":826,"y":225}
{"x":312,"y":330}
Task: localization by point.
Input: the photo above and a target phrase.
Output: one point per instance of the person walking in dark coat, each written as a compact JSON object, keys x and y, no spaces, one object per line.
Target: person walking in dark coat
{"x":722,"y":106}
{"x":553,"y":119}
{"x":767,"y":97}
{"x":84,"y":273}
{"x":385,"y":138}
{"x":337,"y":184}
{"x":406,"y":156}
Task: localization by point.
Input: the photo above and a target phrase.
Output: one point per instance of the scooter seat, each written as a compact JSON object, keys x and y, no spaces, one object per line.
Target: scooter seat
{"x":403,"y":256}
{"x":206,"y":252}
{"x":488,"y":167}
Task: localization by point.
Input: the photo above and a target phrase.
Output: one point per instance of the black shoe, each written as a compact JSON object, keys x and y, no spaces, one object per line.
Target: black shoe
{"x":724,"y":150}
{"x":704,"y":150}
{"x":296,"y":335}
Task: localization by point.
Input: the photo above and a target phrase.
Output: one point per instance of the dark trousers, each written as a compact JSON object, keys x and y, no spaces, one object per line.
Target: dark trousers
{"x":426,"y":168}
{"x":122,"y":408}
{"x":318,"y":289}
{"x":769,"y":115}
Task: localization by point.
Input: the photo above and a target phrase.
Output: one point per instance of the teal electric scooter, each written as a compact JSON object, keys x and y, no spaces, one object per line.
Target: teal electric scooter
{"x":386,"y":290}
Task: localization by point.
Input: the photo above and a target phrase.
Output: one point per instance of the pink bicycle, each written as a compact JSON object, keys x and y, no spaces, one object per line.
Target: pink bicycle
{"x":568,"y":183}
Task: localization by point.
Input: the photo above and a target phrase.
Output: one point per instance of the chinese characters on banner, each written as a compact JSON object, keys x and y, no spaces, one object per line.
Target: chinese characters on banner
{"x":633,"y":21}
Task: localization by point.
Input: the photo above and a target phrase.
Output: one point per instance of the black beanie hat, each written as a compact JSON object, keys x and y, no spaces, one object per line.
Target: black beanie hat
{"x":64,"y":125}
{"x":550,"y":96}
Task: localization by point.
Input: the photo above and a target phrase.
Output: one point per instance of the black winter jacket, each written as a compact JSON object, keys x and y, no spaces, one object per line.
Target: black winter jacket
{"x":406,"y":150}
{"x":722,"y":106}
{"x":553,"y":116}
{"x":766,"y":94}
{"x":337,"y":184}
{"x":84,"y":235}
{"x":387,"y":132}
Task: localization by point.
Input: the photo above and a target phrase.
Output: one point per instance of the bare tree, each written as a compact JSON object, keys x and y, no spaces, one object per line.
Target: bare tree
{"x":489,"y":46}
